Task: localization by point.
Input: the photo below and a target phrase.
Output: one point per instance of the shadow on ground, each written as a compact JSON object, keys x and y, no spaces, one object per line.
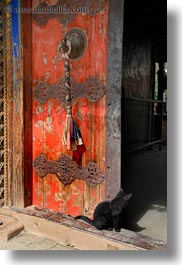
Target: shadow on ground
{"x":146,"y":178}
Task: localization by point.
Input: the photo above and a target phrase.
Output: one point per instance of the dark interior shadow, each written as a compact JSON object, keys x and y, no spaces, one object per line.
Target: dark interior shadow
{"x":146,"y":178}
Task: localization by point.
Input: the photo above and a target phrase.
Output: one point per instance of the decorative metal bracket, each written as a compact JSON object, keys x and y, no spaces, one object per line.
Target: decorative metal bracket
{"x":65,"y":11}
{"x":93,"y":89}
{"x":67,"y":170}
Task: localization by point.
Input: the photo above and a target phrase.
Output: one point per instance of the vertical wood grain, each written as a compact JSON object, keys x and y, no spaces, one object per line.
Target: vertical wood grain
{"x":76,"y":198}
{"x":113,"y":99}
{"x":26,"y":22}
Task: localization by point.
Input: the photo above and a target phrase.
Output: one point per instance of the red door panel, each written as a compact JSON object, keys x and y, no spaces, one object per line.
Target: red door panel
{"x":49,"y":117}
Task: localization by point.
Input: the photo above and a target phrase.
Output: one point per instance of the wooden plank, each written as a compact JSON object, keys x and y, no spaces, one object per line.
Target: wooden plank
{"x":26,"y":23}
{"x":37,"y":131}
{"x":17,"y":180}
{"x":130,"y":238}
{"x":67,"y":235}
{"x":143,"y":100}
{"x":82,"y":240}
{"x":113,"y":99}
{"x":9,"y":118}
{"x":10,"y":226}
{"x":76,"y":198}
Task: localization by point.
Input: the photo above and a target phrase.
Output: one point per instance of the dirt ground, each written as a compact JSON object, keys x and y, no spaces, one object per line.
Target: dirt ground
{"x":28,"y":241}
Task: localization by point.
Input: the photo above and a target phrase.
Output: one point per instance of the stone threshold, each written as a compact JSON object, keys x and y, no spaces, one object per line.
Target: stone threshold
{"x":65,"y":229}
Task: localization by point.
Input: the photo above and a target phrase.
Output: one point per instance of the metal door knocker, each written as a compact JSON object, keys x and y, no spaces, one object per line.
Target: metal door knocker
{"x":71,"y":134}
{"x":78,"y":42}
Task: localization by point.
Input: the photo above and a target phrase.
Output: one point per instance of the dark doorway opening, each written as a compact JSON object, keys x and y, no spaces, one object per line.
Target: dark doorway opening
{"x":144,"y":116}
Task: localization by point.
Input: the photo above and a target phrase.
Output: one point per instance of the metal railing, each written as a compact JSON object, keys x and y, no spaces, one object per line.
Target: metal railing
{"x":142,"y":123}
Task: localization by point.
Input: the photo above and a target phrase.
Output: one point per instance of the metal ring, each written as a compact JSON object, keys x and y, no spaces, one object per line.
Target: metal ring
{"x":78,"y":43}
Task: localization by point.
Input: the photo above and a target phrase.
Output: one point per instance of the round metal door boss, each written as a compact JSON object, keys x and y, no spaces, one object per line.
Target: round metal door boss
{"x":79,"y":42}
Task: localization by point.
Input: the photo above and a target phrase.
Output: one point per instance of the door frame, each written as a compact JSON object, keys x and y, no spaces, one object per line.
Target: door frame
{"x":19,"y":136}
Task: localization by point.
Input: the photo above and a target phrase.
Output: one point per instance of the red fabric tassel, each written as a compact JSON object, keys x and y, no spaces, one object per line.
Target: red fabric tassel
{"x":78,"y":153}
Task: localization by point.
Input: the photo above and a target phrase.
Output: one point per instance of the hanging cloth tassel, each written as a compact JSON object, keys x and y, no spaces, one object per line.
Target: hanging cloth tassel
{"x":71,"y":134}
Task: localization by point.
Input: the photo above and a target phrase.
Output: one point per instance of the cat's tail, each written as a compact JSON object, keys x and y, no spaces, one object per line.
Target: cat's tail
{"x":84,"y":218}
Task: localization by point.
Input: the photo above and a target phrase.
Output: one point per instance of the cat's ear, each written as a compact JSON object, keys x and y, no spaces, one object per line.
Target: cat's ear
{"x":128,"y":196}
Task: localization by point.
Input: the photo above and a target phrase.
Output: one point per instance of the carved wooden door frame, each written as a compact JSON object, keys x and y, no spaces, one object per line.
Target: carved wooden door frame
{"x":19,"y":134}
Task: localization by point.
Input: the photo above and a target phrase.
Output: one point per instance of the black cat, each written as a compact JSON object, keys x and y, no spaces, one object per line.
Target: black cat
{"x":107,"y":213}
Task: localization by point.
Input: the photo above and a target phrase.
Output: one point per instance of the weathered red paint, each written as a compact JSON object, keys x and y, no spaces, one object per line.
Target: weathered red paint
{"x":49,"y":118}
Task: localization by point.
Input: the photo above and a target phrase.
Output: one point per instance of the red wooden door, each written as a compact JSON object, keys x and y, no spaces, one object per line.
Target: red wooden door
{"x":49,"y":115}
